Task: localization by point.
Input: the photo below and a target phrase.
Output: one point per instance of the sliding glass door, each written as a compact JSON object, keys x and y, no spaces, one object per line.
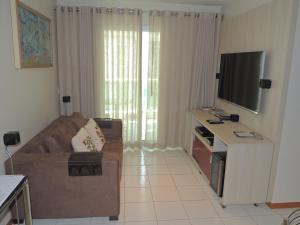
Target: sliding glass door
{"x":134,"y":99}
{"x":123,"y":81}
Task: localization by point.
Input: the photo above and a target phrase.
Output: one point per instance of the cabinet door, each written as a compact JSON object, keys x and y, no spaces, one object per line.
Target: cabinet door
{"x":203,"y":157}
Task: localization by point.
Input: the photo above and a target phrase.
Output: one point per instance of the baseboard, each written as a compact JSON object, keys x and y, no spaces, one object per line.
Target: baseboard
{"x":283,"y":205}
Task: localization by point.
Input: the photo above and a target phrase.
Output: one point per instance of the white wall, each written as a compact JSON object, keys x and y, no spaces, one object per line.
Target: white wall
{"x":28,"y":97}
{"x":268,"y":27}
{"x":287,"y":182}
{"x":241,"y":6}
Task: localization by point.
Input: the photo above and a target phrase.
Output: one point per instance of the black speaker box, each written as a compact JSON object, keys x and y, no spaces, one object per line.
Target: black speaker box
{"x":11,"y":138}
{"x":265,"y":84}
{"x":66,"y":99}
{"x":234,"y":117}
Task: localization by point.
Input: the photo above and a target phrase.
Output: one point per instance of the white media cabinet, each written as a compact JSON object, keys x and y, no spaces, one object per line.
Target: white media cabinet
{"x":248,"y":162}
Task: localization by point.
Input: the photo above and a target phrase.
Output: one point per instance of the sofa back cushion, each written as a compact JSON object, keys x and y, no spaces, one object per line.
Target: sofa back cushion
{"x":57,"y":136}
{"x":39,"y":138}
{"x":53,"y":145}
{"x":78,"y":120}
{"x":42,"y":148}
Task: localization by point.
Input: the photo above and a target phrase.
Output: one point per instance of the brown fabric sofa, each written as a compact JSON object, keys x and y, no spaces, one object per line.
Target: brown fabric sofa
{"x":55,"y":194}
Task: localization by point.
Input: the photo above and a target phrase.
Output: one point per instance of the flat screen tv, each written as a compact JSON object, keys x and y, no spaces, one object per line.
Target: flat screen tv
{"x":240,"y":74}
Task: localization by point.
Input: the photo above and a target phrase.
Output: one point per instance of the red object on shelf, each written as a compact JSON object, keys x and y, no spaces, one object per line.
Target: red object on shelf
{"x":203,"y":156}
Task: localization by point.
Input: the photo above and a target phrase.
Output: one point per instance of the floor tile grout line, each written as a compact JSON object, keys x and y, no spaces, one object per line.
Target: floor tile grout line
{"x":124,"y":210}
{"x":204,"y":189}
{"x":212,"y":201}
{"x":253,"y":220}
{"x":153,"y":204}
{"x":241,"y":217}
{"x":176,"y":186}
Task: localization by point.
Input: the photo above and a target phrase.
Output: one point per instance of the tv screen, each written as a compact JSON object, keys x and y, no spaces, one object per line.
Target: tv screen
{"x":240,"y":74}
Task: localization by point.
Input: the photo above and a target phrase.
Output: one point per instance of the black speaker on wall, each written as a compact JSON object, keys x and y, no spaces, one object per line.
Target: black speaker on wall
{"x":218,"y":76}
{"x":11,"y":138}
{"x":265,"y":83}
{"x":66,"y":99}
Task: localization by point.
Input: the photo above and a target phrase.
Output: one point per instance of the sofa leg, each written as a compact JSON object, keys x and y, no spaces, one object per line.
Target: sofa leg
{"x":113,"y":218}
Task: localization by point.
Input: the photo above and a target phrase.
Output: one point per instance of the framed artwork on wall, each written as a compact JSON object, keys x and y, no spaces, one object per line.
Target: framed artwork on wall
{"x":32,"y":36}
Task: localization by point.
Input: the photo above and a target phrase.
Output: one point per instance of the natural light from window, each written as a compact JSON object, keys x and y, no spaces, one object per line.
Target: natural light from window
{"x":122,"y":96}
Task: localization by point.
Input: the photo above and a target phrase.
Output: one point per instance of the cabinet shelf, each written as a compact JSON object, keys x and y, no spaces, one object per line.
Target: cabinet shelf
{"x":248,"y":160}
{"x":203,"y":140}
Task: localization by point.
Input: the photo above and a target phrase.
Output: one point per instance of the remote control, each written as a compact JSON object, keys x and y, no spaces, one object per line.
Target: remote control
{"x":215,"y":121}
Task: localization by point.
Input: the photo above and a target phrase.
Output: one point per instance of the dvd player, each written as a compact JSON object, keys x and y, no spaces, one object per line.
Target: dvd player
{"x":203,"y":132}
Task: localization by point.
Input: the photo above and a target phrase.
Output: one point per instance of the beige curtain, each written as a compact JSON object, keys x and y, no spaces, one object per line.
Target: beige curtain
{"x":117,"y":43}
{"x":99,"y":55}
{"x":75,"y":59}
{"x":182,"y":67}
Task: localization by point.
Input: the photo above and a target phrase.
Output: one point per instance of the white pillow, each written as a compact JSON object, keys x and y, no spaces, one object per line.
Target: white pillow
{"x":82,"y":142}
{"x":96,"y":134}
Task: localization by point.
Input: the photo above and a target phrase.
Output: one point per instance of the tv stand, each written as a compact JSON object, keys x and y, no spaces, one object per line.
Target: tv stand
{"x":248,"y":161}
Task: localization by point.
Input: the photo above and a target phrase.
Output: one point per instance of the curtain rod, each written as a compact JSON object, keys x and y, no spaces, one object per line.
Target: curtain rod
{"x":110,"y":9}
{"x":148,"y":11}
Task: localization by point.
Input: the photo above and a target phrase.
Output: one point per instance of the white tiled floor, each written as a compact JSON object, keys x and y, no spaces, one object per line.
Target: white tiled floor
{"x":164,"y":194}
{"x":164,"y":187}
{"x":161,"y":180}
{"x":138,"y":195}
{"x":143,"y":211}
{"x":170,"y":211}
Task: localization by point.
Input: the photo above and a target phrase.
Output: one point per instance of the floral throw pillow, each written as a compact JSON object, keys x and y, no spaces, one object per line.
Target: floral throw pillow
{"x":96,"y":134}
{"x":82,"y":142}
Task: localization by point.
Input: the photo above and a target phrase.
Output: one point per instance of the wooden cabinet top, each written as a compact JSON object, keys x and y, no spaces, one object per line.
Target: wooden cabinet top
{"x":225,"y":131}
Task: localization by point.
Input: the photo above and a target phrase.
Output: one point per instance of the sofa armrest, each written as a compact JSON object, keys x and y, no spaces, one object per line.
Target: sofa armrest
{"x":56,"y":194}
{"x":113,"y":132}
{"x":85,"y":164}
{"x":45,"y":163}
